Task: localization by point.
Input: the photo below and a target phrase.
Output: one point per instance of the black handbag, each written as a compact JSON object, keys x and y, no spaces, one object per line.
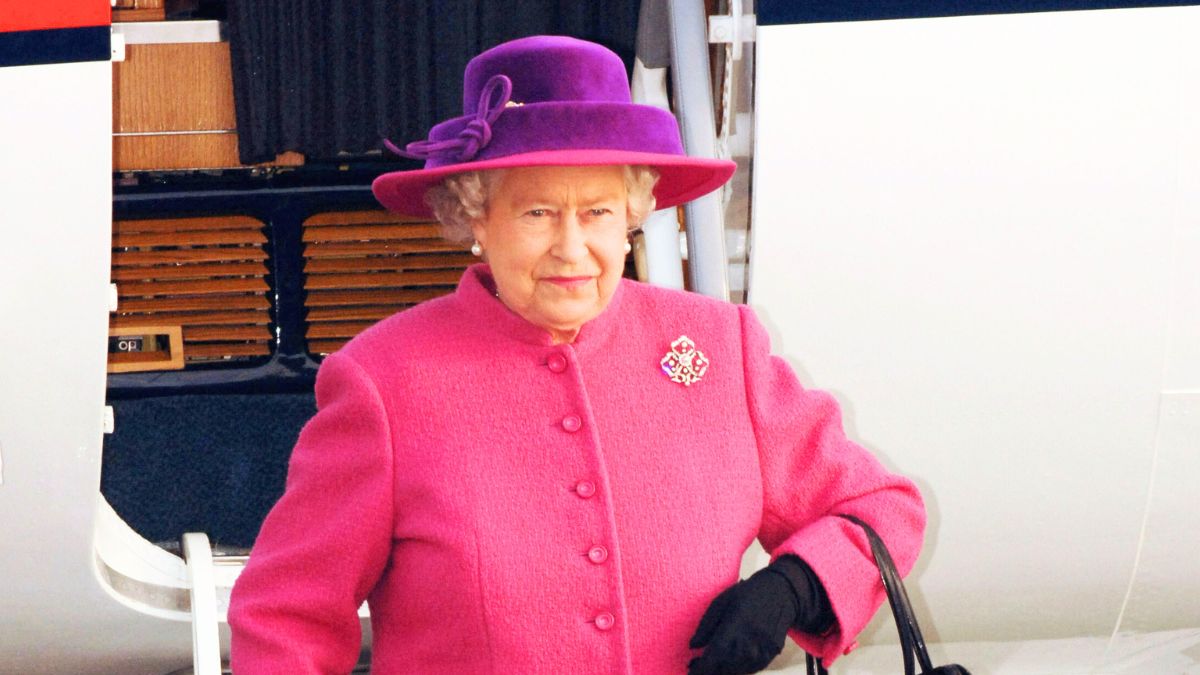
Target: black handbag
{"x":911,"y":641}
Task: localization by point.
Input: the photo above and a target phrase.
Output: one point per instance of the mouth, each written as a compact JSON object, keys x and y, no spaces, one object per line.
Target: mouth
{"x":568,"y":283}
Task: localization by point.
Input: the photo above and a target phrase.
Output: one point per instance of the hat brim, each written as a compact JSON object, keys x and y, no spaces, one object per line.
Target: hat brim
{"x":682,"y":178}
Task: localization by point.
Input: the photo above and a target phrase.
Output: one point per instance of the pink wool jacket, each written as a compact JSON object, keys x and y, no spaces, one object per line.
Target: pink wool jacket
{"x":507,"y":505}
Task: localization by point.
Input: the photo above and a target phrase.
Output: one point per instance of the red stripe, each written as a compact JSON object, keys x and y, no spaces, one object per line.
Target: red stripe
{"x":18,"y":15}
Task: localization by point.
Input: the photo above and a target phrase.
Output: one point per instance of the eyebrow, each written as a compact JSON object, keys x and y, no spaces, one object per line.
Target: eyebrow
{"x":586,"y":200}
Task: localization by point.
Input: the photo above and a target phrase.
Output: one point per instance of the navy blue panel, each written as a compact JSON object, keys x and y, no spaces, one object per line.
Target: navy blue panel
{"x":213,"y":464}
{"x":776,"y":12}
{"x":62,"y":45}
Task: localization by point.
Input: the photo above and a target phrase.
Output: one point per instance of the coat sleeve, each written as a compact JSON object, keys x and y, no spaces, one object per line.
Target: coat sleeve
{"x":294,"y":608}
{"x":811,"y":472}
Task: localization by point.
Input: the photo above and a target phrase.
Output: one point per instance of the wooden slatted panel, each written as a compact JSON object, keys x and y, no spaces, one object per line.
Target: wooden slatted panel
{"x":341,"y":313}
{"x":185,"y":304}
{"x":136,"y":357}
{"x":187,"y":255}
{"x":192,"y":319}
{"x":384,"y":232}
{"x":225,"y":350}
{"x":186,"y":224}
{"x":206,"y":274}
{"x":372,"y":297}
{"x":384,"y":279}
{"x":202,"y":271}
{"x":338,"y":329}
{"x":193,"y":287}
{"x":200,"y":333}
{"x":366,"y":217}
{"x":393,"y":263}
{"x":342,"y":250}
{"x":363,"y":266}
{"x":325,"y":346}
{"x":191,"y":238}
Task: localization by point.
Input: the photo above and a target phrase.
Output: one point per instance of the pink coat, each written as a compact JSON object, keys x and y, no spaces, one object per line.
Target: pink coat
{"x":507,"y":505}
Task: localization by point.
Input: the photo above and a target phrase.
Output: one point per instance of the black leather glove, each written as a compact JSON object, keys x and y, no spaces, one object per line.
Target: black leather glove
{"x":746,"y":625}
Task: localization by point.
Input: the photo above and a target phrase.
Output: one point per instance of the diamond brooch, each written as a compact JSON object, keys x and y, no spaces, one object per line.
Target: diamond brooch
{"x":684,"y":363}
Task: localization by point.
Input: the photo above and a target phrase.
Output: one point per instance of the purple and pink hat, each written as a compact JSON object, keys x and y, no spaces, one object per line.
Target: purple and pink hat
{"x":550,"y":101}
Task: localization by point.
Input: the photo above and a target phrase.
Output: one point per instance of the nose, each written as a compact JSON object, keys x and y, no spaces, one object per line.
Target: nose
{"x":570,"y":244}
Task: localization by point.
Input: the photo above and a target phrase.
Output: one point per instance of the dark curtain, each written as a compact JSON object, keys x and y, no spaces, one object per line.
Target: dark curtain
{"x":331,"y":79}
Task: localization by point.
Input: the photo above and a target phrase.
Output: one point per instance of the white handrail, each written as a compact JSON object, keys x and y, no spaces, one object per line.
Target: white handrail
{"x":206,"y":644}
{"x":707,"y":262}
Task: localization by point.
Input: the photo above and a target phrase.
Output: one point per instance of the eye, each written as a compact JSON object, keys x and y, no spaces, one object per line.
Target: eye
{"x":536,"y":213}
{"x":599,"y":211}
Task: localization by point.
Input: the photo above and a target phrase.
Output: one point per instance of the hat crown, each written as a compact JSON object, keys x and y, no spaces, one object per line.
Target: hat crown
{"x":548,"y":68}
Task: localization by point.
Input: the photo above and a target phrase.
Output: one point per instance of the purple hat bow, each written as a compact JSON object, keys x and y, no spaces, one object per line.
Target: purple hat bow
{"x":475,"y":136}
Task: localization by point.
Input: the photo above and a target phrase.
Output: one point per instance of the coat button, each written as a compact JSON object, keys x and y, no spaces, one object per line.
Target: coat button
{"x":585,"y":489}
{"x":557,"y":363}
{"x":572,"y":423}
{"x":598,"y":554}
{"x":605,"y":621}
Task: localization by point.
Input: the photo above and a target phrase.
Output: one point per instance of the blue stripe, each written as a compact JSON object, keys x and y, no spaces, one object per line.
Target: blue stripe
{"x":775,"y":12}
{"x":60,"y":45}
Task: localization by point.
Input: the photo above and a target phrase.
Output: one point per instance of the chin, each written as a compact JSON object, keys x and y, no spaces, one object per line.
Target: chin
{"x":573,"y":320}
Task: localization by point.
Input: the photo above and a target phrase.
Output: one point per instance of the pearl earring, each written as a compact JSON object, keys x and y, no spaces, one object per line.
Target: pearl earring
{"x":476,"y":249}
{"x":628,"y":247}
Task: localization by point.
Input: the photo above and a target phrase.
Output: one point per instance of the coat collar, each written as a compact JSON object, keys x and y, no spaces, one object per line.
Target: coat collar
{"x":476,"y":295}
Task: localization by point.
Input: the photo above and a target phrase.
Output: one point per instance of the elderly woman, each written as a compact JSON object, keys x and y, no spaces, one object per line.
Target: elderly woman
{"x":554,"y":469}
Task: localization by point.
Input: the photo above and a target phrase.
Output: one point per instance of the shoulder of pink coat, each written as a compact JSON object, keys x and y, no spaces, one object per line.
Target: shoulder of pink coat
{"x":666,"y":312}
{"x":645,"y":300}
{"x":406,"y":330}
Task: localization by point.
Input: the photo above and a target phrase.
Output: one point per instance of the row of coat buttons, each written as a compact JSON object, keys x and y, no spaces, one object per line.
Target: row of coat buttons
{"x":604,"y":621}
{"x":598,"y":555}
{"x":557,"y":363}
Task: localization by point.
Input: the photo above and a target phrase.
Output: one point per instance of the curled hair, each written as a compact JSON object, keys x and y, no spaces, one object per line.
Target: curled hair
{"x":639,"y":184}
{"x":463,"y":198}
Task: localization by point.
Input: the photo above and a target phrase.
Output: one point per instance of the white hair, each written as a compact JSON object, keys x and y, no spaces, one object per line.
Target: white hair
{"x":463,"y":197}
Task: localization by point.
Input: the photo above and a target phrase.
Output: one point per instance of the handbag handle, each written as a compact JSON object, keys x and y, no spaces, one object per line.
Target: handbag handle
{"x":911,"y":639}
{"x":912,"y":642}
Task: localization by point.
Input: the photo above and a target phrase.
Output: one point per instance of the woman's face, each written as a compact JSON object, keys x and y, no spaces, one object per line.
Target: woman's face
{"x":555,"y":239}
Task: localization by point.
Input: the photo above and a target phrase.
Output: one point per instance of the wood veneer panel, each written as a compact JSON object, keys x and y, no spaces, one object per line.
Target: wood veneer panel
{"x":173,"y":87}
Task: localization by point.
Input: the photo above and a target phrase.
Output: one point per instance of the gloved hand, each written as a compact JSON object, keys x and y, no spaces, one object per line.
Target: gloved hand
{"x":746,"y":625}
